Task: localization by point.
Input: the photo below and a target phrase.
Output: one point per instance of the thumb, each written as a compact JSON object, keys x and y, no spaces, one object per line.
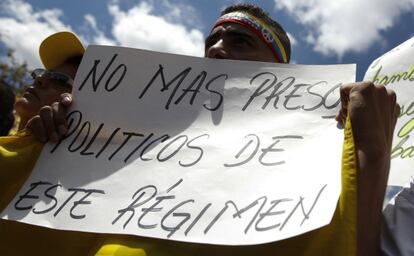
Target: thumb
{"x":66,"y":99}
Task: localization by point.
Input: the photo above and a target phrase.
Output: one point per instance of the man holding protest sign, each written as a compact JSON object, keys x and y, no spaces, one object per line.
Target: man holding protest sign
{"x":373,"y":111}
{"x":234,"y":37}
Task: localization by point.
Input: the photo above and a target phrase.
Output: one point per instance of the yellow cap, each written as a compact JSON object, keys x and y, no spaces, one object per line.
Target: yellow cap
{"x":58,"y":47}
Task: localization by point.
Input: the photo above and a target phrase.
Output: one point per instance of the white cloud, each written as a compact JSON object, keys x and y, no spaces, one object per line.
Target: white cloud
{"x":340,"y":26}
{"x":92,"y":34}
{"x":179,"y":13}
{"x":139,"y":28}
{"x":90,"y":20}
{"x":293,"y":40}
{"x":23,"y":29}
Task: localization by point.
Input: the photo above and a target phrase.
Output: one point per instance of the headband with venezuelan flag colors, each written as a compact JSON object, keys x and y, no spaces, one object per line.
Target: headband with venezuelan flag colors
{"x":258,"y":27}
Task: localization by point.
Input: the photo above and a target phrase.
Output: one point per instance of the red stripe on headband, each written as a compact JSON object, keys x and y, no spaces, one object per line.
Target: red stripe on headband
{"x":253,"y":29}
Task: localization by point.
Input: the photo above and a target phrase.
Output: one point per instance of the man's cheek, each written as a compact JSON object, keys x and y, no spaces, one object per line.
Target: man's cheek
{"x":51,"y":97}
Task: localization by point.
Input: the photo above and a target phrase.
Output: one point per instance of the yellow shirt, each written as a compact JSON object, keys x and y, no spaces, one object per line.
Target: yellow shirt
{"x":19,"y":153}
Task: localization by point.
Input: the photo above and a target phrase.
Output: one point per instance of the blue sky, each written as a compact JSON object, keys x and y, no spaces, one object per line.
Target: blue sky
{"x":322,"y":31}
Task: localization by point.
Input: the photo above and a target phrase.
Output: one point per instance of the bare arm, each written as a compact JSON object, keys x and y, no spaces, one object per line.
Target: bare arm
{"x":373,"y":112}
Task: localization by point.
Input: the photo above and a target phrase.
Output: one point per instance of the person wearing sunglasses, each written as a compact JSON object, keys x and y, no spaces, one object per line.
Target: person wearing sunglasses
{"x":60,"y":54}
{"x":50,"y":83}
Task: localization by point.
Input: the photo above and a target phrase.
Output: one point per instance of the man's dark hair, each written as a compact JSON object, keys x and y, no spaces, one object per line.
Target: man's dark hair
{"x":6,"y":108}
{"x":258,"y":12}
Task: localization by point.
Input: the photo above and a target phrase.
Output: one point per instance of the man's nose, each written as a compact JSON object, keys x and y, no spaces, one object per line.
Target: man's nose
{"x":42,"y":81}
{"x":218,"y":51}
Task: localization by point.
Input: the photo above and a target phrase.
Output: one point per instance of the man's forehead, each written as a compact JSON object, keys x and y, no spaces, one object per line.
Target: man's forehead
{"x":67,"y":68}
{"x":250,"y":26}
{"x":225,"y":27}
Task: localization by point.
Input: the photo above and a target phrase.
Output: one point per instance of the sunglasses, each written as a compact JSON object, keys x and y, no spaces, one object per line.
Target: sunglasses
{"x":57,"y":78}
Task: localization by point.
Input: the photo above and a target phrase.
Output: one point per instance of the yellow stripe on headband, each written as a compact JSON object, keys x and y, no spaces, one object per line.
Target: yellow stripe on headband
{"x":258,"y":26}
{"x":275,"y":37}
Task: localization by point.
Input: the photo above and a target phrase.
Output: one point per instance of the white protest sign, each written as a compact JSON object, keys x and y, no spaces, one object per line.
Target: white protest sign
{"x":395,"y":69}
{"x":192,"y":149}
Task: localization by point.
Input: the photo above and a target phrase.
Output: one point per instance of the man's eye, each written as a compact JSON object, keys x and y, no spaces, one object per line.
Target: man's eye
{"x":241,"y":41}
{"x":210,"y":43}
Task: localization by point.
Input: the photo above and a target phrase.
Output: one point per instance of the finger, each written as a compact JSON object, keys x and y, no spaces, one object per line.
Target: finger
{"x":361,"y":95}
{"x":397,"y":109}
{"x":46,"y":114}
{"x":35,"y":124}
{"x":59,"y":116}
{"x":341,"y":117}
{"x":393,"y":100}
{"x":66,"y":99}
{"x":362,"y":87}
{"x":395,"y":116}
{"x":344,"y":94}
{"x":338,"y":117}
